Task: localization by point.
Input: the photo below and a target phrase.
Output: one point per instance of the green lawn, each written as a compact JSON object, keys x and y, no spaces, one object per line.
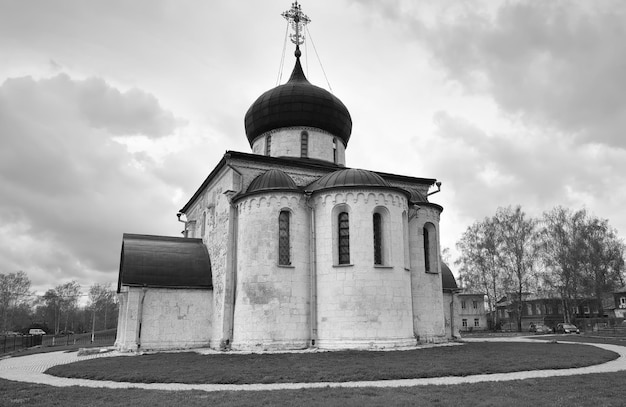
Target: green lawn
{"x":605,"y":390}
{"x":460,"y":360}
{"x":584,"y":390}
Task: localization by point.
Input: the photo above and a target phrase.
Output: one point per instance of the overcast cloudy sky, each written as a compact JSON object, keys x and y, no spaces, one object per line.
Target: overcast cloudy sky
{"x":113,"y":112}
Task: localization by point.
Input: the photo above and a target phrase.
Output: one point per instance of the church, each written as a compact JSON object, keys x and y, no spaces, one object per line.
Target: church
{"x":287,"y":247}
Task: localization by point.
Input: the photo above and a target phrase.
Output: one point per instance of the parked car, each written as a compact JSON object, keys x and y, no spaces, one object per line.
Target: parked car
{"x":10,"y":333}
{"x":540,"y":329}
{"x":567,"y":329}
{"x":36,"y":331}
{"x":66,"y":332}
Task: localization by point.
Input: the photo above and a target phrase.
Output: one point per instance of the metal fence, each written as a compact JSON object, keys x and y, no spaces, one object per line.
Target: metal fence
{"x":13,"y":343}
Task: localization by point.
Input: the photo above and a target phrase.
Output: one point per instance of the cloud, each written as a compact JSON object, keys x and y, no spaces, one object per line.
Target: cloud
{"x":558,"y":64}
{"x":69,"y":190}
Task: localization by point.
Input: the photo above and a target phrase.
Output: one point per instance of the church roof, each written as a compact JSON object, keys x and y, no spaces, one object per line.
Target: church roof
{"x":348,"y":177}
{"x":448,"y":282}
{"x":164,"y":262}
{"x":272,"y":180}
{"x":298,"y":103}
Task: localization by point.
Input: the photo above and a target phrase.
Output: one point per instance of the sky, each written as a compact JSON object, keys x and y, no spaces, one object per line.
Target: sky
{"x":113,"y":112}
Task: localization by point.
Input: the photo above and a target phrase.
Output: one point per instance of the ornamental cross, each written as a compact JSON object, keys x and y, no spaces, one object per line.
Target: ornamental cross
{"x":298,"y":20}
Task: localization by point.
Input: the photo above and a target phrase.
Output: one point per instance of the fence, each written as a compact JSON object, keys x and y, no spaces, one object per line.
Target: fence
{"x":13,"y":343}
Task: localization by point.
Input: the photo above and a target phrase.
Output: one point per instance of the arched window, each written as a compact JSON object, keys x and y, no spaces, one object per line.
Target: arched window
{"x":335,"y":150}
{"x":284,"y":255}
{"x":378,"y":238}
{"x":426,"y":250}
{"x":268,"y":144}
{"x":344,"y":238}
{"x":203,"y":227}
{"x":431,"y":251}
{"x":304,"y":144}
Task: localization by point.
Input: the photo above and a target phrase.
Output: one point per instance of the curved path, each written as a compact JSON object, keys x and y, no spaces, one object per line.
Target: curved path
{"x":30,"y":369}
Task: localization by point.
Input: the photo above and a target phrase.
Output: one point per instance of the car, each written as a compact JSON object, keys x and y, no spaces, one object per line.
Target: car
{"x":540,"y":329}
{"x":567,"y":329}
{"x":66,"y":332}
{"x":36,"y":331}
{"x":11,"y":333}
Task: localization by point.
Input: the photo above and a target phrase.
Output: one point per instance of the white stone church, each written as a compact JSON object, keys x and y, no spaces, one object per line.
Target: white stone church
{"x":287,"y":247}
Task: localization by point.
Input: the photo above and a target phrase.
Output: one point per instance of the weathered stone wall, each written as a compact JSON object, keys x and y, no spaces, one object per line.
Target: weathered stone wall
{"x":451,"y":306}
{"x":428,"y":317}
{"x":170,"y":318}
{"x":272,"y":300}
{"x":362,"y":305}
{"x":286,"y":142}
{"x":212,"y":214}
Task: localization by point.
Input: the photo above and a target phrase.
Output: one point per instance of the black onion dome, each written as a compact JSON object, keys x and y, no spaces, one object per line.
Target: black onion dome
{"x":272,"y":180}
{"x":349,"y":177}
{"x":298,"y":103}
{"x":448,"y":282}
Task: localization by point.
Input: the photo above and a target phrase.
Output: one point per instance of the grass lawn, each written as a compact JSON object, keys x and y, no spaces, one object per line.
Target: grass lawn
{"x":605,"y":389}
{"x":462,"y":360}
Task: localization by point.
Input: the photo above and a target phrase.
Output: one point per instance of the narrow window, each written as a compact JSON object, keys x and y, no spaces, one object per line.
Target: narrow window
{"x":426,"y":251}
{"x":622,"y":302}
{"x":203,"y":227}
{"x":464,"y":323}
{"x":335,"y":150}
{"x":476,"y":322}
{"x":268,"y":145}
{"x":378,"y":246}
{"x":463,"y":304}
{"x":344,"y":238}
{"x":304,"y":144}
{"x":284,"y":257}
{"x":475,"y":304}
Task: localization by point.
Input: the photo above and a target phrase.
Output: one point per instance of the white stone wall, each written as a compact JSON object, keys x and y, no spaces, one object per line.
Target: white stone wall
{"x":170,"y":319}
{"x":428,"y":317}
{"x":272,"y":301}
{"x":286,"y":143}
{"x":214,"y":207}
{"x":451,"y":307}
{"x":362,"y":305}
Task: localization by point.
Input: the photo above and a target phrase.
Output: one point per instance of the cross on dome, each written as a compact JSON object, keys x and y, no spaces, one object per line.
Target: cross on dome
{"x":298,"y":20}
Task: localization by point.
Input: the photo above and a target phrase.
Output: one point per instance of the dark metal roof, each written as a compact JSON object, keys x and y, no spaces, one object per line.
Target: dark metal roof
{"x":164,"y":262}
{"x":448,"y":282}
{"x":292,"y":162}
{"x":272,"y":180}
{"x":348,"y":177}
{"x":298,"y":103}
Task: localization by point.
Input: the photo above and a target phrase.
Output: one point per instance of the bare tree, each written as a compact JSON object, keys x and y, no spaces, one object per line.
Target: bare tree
{"x":479,"y":262}
{"x":14,"y":289}
{"x":517,"y":242}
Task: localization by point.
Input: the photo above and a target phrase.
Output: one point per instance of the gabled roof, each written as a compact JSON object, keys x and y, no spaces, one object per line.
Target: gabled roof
{"x":164,"y":262}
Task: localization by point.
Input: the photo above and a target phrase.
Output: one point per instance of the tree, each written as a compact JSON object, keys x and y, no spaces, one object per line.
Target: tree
{"x":68,"y":294}
{"x":516,"y":236}
{"x":102,"y":301}
{"x":14,"y":290}
{"x":583,"y":254}
{"x":479,"y":262}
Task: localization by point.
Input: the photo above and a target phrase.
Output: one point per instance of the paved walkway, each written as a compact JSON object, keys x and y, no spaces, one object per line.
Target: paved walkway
{"x":30,"y":369}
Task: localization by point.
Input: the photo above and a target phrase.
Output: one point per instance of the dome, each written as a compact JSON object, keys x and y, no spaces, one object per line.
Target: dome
{"x":298,"y":103}
{"x":448,"y":282}
{"x":272,"y":180}
{"x":348,"y":177}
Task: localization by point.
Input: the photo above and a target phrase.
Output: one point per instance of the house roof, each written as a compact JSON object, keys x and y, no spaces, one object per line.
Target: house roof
{"x":164,"y":262}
